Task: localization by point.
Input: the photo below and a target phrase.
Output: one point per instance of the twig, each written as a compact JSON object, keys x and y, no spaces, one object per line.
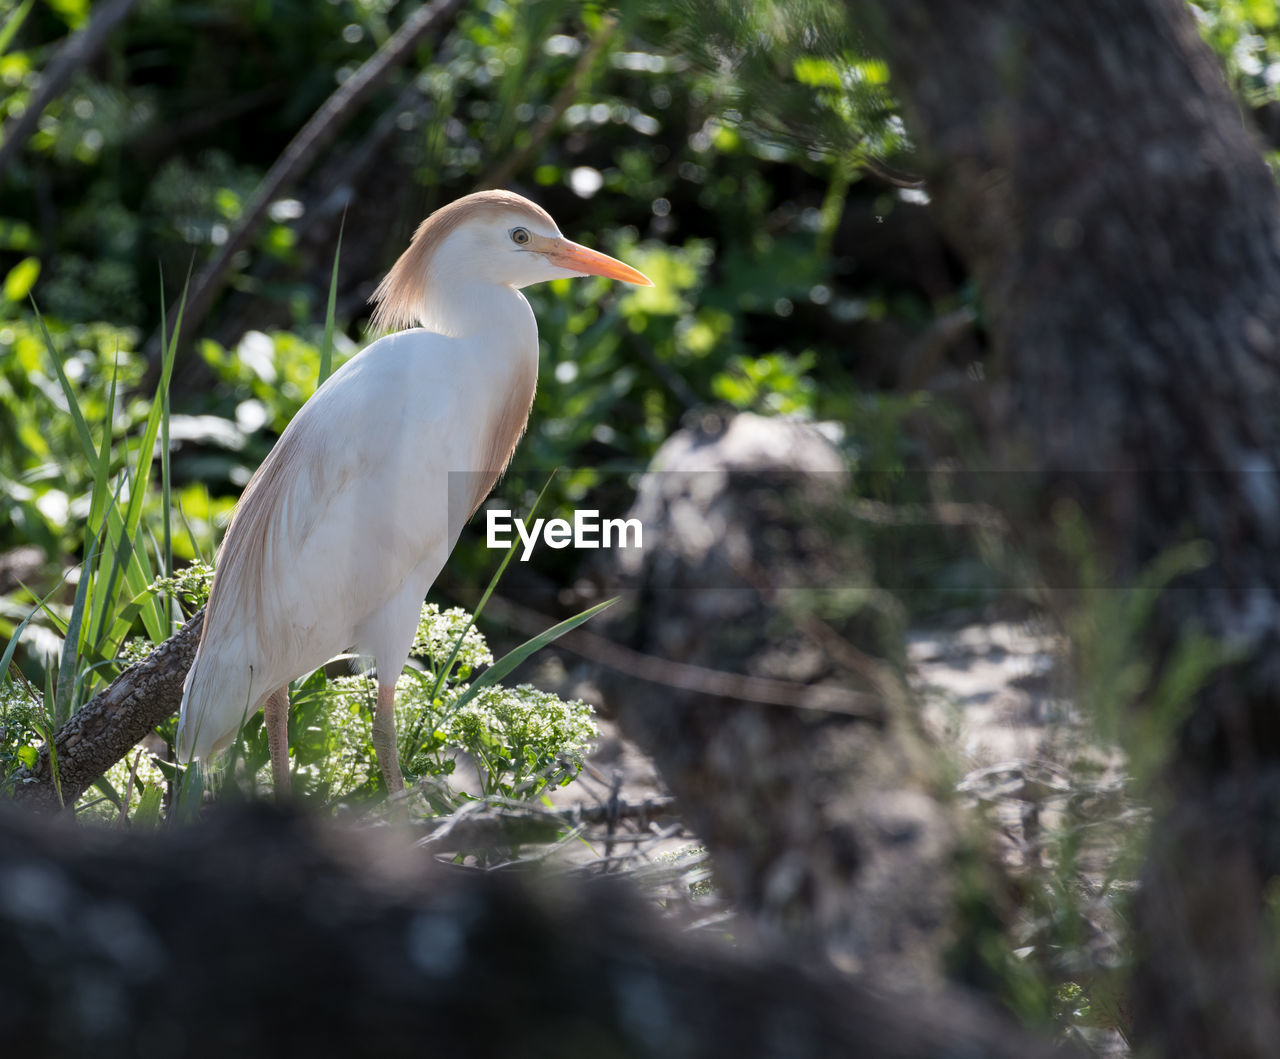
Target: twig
{"x":123,"y":819}
{"x":922,"y":359}
{"x":689,"y":677}
{"x":613,"y":813}
{"x":515,"y":160}
{"x":74,"y":53}
{"x":478,"y":824}
{"x":673,"y":380}
{"x":323,"y":126}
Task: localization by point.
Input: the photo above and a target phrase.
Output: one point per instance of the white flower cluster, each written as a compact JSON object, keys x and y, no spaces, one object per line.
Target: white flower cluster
{"x":191,"y":583}
{"x":438,"y":632}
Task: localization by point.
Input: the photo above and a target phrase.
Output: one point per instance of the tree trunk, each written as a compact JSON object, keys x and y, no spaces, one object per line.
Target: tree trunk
{"x":1090,"y":164}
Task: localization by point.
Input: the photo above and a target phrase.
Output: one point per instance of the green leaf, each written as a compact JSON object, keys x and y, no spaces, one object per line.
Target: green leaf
{"x":64,"y":699}
{"x":13,"y":24}
{"x":73,"y":12}
{"x":147,"y":815}
{"x":105,"y":787}
{"x":77,"y":416}
{"x":509,"y":661}
{"x":1262,"y":13}
{"x":7,"y":658}
{"x":21,"y":278}
{"x":815,"y":72}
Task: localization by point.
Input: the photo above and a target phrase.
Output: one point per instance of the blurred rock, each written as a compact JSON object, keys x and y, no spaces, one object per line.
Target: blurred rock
{"x":826,"y":825}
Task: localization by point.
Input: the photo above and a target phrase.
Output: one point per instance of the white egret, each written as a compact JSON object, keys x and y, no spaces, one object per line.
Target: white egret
{"x":343,"y":529}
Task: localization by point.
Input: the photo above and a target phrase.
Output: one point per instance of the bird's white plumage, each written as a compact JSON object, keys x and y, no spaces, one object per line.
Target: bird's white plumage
{"x":350,"y":518}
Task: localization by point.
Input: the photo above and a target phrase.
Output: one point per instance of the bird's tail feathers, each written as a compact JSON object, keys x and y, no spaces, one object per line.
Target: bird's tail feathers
{"x":216,"y":700}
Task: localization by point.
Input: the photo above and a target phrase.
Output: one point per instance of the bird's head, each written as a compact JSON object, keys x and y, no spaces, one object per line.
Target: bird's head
{"x":495,"y":237}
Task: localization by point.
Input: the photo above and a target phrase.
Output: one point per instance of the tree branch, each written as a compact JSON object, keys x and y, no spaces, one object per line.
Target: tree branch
{"x":102,"y":731}
{"x":323,"y":126}
{"x":74,"y":53}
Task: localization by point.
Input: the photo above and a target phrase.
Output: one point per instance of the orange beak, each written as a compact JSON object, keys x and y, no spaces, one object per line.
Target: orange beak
{"x":577,"y":258}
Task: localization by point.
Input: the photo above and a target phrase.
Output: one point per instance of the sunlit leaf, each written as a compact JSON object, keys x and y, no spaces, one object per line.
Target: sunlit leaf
{"x":21,"y":278}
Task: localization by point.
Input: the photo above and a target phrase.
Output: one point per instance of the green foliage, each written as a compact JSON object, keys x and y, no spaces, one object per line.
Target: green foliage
{"x":713,"y":145}
{"x":21,"y":719}
{"x":191,"y":584}
{"x":46,"y":481}
{"x":1246,"y":35}
{"x":520,"y":739}
{"x":1134,"y":699}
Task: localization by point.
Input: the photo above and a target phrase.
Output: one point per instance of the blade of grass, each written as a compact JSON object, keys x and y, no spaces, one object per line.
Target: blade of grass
{"x":191,"y":533}
{"x":166,"y":495}
{"x":493,"y":583}
{"x":147,"y":815}
{"x":138,"y":572}
{"x":64,"y":698}
{"x":45,"y":730}
{"x":42,"y":604}
{"x":188,"y":793}
{"x":108,"y":791}
{"x":513,"y":658}
{"x":138,"y":575}
{"x":77,"y":416}
{"x":110,"y":563}
{"x":326,"y":343}
{"x":415,"y":730}
{"x":59,"y":626}
{"x":169,"y":348}
{"x":146,"y":450}
{"x":98,"y":498}
{"x":13,"y":24}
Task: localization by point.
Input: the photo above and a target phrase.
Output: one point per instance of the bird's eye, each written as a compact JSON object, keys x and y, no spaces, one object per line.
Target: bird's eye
{"x":520,"y":236}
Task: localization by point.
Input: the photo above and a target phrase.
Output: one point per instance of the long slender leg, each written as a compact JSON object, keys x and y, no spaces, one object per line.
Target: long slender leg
{"x":384,"y":738}
{"x":276,"y":718}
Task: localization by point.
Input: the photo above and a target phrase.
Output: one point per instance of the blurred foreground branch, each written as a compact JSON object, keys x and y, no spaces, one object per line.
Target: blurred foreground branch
{"x":266,"y":934}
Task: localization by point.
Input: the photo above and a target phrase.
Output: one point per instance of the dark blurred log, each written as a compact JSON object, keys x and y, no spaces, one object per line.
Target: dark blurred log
{"x":106,"y":727}
{"x":260,"y":934}
{"x":1089,"y":163}
{"x":823,"y":815}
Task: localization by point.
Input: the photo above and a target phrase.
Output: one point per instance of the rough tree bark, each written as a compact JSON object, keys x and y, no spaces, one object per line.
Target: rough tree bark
{"x":102,"y":731}
{"x":257,"y":934}
{"x":1090,"y":164}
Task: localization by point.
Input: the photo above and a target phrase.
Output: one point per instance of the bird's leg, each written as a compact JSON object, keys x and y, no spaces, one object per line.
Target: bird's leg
{"x":276,"y":717}
{"x":384,"y":738}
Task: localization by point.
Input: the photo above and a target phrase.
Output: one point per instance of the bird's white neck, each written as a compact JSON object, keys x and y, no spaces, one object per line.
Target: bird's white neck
{"x":465,"y":308}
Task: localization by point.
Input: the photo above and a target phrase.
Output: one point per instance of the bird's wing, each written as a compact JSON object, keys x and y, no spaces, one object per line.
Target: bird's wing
{"x":347,"y":505}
